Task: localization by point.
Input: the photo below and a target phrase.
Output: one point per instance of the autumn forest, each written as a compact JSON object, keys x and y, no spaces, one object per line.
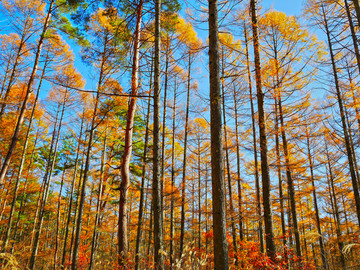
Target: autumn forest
{"x":149,"y":134}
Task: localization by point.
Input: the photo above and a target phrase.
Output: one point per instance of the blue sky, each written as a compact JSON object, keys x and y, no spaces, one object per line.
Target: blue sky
{"x":290,"y":7}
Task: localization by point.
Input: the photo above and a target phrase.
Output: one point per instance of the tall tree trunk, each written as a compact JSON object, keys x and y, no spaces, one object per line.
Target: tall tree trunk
{"x":98,"y":203}
{"x":343,"y":120}
{"x":156,"y":188}
{"x":172,"y":180}
{"x":125,"y":162}
{"x":183,"y":182}
{"x":227,"y":161}
{"x":79,"y":218}
{"x":163,"y":134}
{"x":317,"y":216}
{"x":68,"y":218}
{"x":291,"y":189}
{"x":278,"y":169}
{"x":238,"y":175}
{"x":143,"y":177}
{"x":335,"y":208}
{"x":57,"y":240}
{"x":257,"y":181}
{"x":217,"y":167}
{"x":265,"y":175}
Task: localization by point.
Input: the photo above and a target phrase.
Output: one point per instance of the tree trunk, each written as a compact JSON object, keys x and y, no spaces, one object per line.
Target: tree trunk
{"x":227,"y":161}
{"x":68,"y":218}
{"x":125,"y":162}
{"x":156,"y":188}
{"x":265,"y":175}
{"x":241,"y":221}
{"x":57,"y":240}
{"x":317,"y":216}
{"x":336,"y":208}
{"x":143,"y":177}
{"x":343,"y":120}
{"x":183,"y":182}
{"x":99,"y":199}
{"x":217,"y":167}
{"x":278,"y":168}
{"x":172,"y":181}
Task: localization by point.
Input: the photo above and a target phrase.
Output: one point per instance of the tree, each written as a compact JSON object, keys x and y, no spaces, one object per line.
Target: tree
{"x":217,"y":170}
{"x":269,"y":235}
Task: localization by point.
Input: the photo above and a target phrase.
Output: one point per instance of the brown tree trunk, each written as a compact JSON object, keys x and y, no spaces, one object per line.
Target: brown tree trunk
{"x":278,"y":169}
{"x":183,"y":182}
{"x":143,"y":176}
{"x":125,"y":162}
{"x":317,"y":216}
{"x":156,"y":188}
{"x":241,"y":217}
{"x":265,"y":175}
{"x":57,"y":240}
{"x":217,"y":166}
{"x":68,"y":218}
{"x":257,"y":182}
{"x":335,"y":208}
{"x":343,"y":120}
{"x":172,"y":180}
{"x":99,"y":199}
{"x":227,"y":161}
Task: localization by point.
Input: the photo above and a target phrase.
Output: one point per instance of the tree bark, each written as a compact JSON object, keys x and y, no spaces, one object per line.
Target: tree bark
{"x":125,"y":162}
{"x":217,"y":155}
{"x":343,"y":120}
{"x":156,"y":188}
{"x":265,"y":175}
{"x":183,"y":182}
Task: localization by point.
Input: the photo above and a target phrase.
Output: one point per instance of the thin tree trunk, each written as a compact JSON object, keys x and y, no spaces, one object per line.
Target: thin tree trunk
{"x":172,"y":181}
{"x":79,"y":219}
{"x":125,"y":162}
{"x":57,"y":240}
{"x":163,"y":134}
{"x":143,"y":177}
{"x":68,"y":219}
{"x":317,"y":216}
{"x":291,"y":189}
{"x":269,"y":234}
{"x":238,"y":167}
{"x":156,"y":188}
{"x":278,"y":168}
{"x":257,"y":181}
{"x":99,"y":199}
{"x":183,"y":182}
{"x":336,"y":208}
{"x":343,"y":120}
{"x":227,"y":161}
